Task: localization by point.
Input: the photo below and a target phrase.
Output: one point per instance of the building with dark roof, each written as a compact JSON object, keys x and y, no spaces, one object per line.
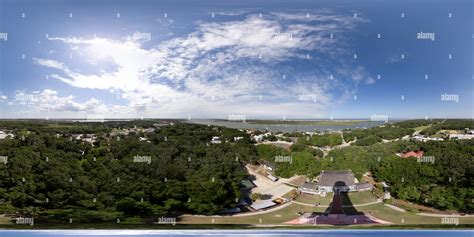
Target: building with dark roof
{"x":363,"y":186}
{"x":268,"y":165}
{"x":246,"y":184}
{"x":340,"y":181}
{"x":309,"y":188}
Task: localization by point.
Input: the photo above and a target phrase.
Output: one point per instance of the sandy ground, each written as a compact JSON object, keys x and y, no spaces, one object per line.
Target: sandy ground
{"x":266,"y":186}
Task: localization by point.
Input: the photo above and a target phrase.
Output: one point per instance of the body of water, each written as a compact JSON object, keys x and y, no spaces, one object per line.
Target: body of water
{"x":285,"y":127}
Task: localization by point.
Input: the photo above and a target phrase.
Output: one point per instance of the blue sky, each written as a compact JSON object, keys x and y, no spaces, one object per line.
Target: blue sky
{"x":212,"y":59}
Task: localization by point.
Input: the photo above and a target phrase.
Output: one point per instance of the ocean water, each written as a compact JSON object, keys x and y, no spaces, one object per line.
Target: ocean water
{"x":263,"y":233}
{"x":285,"y":127}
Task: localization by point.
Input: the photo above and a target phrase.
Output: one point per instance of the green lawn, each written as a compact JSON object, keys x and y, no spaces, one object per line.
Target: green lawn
{"x":356,"y":198}
{"x":408,"y":218}
{"x":276,"y":217}
{"x":421,"y":128}
{"x":289,"y":213}
{"x":314,"y":199}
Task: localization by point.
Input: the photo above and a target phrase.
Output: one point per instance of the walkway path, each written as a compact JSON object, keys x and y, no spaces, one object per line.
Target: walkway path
{"x":357,"y":205}
{"x":442,"y":215}
{"x":248,"y":213}
{"x":265,"y":211}
{"x":395,"y":208}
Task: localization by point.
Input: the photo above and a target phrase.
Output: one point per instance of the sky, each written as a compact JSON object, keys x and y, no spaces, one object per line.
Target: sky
{"x":299,"y":59}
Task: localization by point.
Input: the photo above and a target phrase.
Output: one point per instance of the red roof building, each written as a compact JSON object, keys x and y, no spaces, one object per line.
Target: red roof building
{"x":417,"y":154}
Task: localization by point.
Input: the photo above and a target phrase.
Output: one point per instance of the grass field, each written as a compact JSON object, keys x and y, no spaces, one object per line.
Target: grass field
{"x":283,"y":215}
{"x":289,"y":213}
{"x":276,"y":217}
{"x":421,"y":128}
{"x":407,"y":218}
{"x":314,"y":199}
{"x":356,"y":198}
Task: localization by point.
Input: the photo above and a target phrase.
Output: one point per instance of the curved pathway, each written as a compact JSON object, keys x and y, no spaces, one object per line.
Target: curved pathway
{"x":247,"y":213}
{"x":394,"y":207}
{"x":265,"y":211}
{"x":357,"y":205}
{"x":443,"y":215}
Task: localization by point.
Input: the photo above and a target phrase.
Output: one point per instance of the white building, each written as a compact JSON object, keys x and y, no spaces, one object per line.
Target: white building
{"x":216,"y":140}
{"x":461,"y":136}
{"x":4,"y":135}
{"x":258,"y":138}
{"x":272,"y":178}
{"x":238,"y":139}
{"x":424,"y":139}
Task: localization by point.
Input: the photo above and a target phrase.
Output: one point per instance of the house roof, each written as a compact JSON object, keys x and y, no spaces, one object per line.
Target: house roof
{"x":417,"y":154}
{"x":263,"y":204}
{"x":149,"y":130}
{"x":361,"y":186}
{"x":271,"y":177}
{"x":269,"y":164}
{"x":307,"y":185}
{"x":336,"y":178}
{"x":245,"y":183}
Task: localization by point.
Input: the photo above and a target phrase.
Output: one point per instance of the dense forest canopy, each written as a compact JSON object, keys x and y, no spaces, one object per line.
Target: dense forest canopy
{"x":68,"y":178}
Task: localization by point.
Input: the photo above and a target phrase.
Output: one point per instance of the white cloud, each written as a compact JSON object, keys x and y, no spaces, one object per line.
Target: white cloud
{"x":52,"y":64}
{"x":49,"y":101}
{"x":219,"y":69}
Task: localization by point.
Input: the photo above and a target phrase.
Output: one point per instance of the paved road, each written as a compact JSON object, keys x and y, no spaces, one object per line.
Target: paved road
{"x":248,"y":213}
{"x":357,"y":205}
{"x":443,"y":215}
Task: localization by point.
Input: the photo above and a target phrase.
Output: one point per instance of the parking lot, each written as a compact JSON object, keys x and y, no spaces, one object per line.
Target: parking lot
{"x":266,"y":186}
